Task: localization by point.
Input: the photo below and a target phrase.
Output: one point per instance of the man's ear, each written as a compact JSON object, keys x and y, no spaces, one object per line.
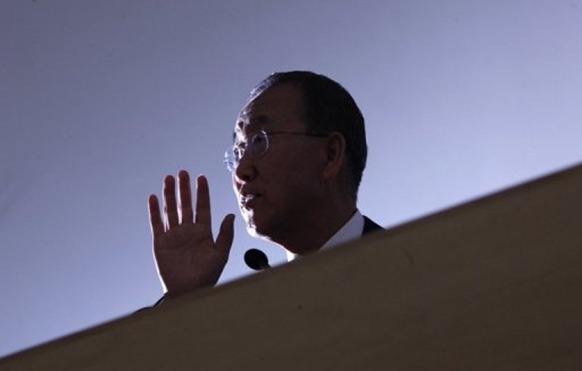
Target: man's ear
{"x":335,"y":148}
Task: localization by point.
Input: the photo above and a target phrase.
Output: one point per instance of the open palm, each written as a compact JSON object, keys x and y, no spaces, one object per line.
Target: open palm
{"x":186,"y":253}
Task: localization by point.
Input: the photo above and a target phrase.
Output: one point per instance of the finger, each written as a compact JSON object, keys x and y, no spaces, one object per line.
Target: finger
{"x":225,"y":235}
{"x":170,"y":209}
{"x":203,"y":201}
{"x":185,"y":196}
{"x":156,"y":224}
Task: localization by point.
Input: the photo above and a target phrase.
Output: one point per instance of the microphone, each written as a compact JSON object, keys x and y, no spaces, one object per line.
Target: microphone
{"x":256,"y":259}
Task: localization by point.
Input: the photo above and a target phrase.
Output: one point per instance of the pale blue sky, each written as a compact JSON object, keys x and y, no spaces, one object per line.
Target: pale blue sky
{"x":100,"y":99}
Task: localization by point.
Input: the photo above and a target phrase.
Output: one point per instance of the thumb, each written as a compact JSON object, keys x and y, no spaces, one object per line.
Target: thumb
{"x":225,"y":235}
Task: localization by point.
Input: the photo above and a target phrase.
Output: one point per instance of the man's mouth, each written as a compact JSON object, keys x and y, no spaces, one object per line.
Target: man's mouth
{"x":247,"y":201}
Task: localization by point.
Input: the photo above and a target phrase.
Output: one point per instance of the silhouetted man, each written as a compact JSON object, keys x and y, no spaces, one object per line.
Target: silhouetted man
{"x":298,"y":155}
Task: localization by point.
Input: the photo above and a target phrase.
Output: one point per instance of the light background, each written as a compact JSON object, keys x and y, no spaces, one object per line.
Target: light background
{"x":100,"y":99}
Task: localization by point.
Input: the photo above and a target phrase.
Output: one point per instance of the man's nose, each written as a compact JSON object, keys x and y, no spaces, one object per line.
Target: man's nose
{"x":245,"y":170}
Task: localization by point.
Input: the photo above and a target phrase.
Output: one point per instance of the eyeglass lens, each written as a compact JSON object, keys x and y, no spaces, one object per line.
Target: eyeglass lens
{"x":256,"y":146}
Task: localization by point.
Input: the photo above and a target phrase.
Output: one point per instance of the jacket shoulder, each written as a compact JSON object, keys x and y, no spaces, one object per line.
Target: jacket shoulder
{"x":370,"y":225}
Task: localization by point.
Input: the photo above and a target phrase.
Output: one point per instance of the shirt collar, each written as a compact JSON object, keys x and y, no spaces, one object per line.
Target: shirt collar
{"x":352,"y":230}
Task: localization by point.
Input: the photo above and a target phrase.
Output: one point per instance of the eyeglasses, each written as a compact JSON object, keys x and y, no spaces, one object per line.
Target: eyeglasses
{"x":256,"y":146}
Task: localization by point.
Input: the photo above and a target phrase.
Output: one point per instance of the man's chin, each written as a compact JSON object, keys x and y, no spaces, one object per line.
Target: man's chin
{"x":257,"y":230}
{"x":253,"y":231}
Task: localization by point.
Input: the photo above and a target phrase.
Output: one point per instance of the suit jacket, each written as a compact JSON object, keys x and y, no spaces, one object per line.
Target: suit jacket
{"x":370,"y":226}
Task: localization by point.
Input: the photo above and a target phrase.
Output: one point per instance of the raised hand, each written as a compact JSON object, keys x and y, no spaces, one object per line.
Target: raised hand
{"x":186,"y":254}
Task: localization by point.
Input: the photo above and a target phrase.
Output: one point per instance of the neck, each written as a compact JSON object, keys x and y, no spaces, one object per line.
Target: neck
{"x":317,"y":227}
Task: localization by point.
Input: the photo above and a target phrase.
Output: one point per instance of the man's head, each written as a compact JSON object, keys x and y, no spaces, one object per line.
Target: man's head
{"x":328,"y":107}
{"x":299,"y":153}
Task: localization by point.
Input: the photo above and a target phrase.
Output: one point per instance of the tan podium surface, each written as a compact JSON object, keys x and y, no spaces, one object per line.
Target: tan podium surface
{"x":494,"y":284}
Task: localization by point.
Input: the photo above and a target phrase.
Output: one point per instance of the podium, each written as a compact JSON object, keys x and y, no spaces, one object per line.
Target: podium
{"x":492,"y":284}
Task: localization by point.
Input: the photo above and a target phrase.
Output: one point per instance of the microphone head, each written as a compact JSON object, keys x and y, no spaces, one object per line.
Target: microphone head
{"x":256,"y":259}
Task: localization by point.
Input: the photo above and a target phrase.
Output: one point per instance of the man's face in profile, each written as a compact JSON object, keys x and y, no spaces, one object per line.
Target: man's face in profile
{"x":277,"y":188}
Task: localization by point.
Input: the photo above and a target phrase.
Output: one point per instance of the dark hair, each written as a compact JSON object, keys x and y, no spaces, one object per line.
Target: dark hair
{"x":328,"y":107}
